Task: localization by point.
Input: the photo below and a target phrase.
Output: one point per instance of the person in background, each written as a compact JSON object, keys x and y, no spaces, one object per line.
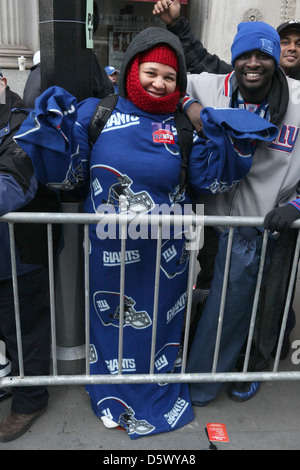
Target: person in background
{"x":32,"y":87}
{"x":289,"y":33}
{"x":113,"y":75}
{"x":200,"y":60}
{"x":20,"y":191}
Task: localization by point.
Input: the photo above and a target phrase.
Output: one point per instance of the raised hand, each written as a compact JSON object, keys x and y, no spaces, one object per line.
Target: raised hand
{"x":167,"y":10}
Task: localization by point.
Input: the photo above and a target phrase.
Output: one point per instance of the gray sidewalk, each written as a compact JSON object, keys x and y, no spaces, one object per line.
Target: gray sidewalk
{"x":270,"y":421}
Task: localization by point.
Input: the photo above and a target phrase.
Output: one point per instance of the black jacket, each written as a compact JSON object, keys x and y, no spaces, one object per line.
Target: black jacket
{"x":197,"y":58}
{"x":26,"y":196}
{"x":33,"y":86}
{"x":101,"y":85}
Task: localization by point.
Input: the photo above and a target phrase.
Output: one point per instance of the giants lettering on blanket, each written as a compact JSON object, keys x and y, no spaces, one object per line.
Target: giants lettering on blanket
{"x":113,"y":258}
{"x":179,"y":305}
{"x":286,"y":139}
{"x":118,"y":121}
{"x":128,"y":365}
{"x":174,"y":415}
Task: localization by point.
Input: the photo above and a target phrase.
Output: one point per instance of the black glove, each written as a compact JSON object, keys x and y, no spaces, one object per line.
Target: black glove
{"x":280,"y":219}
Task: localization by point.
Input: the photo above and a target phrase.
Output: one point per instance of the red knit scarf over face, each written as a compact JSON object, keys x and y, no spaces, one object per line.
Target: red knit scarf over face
{"x":135,"y":91}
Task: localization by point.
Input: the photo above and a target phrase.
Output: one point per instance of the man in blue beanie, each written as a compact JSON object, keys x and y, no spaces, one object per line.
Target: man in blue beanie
{"x":259,"y":84}
{"x":255,"y":56}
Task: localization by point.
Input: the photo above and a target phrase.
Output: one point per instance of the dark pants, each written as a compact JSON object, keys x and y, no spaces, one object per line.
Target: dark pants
{"x":272,"y":303}
{"x":33,"y":291}
{"x":272,"y":297}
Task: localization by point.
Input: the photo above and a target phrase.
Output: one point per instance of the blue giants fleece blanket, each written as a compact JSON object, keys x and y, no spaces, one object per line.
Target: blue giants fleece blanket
{"x":137,"y":156}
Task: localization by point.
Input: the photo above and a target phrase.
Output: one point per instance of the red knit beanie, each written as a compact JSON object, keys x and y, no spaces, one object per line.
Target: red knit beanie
{"x":161,"y":54}
{"x":136,"y":93}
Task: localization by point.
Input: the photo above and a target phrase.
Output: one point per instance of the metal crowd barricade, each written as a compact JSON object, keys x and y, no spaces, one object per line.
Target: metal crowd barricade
{"x":160,"y":220}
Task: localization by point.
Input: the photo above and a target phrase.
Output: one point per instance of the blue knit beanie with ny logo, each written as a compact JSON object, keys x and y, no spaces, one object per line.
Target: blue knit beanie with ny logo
{"x":256,"y":35}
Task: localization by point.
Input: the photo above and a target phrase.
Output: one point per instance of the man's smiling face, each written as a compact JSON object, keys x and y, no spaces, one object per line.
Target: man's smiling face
{"x":290,"y":50}
{"x":254,"y":72}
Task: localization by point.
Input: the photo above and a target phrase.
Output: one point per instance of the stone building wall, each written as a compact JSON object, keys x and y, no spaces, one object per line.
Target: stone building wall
{"x":19,"y":36}
{"x":18,"y":31}
{"x":215,"y":21}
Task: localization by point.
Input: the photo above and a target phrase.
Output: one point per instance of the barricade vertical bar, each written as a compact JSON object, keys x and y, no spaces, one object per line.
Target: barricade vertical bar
{"x":287,"y":303}
{"x":52,"y":297}
{"x":223,"y":300}
{"x":123,"y":234}
{"x":192,"y":262}
{"x":87,"y":298}
{"x":256,"y":299}
{"x":16,"y":298}
{"x":121,"y":308}
{"x":156,"y":294}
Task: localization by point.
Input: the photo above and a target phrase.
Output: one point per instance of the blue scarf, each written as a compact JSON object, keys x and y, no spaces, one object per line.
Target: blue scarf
{"x":261,"y":109}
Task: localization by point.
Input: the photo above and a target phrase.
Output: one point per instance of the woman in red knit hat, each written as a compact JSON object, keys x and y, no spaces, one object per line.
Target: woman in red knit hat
{"x":137,"y":156}
{"x":151,"y":82}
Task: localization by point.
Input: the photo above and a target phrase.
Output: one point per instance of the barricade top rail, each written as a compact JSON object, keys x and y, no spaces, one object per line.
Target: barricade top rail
{"x":144,"y":219}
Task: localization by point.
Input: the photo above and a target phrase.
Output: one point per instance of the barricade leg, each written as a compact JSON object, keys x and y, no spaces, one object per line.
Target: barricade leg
{"x":69,"y":298}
